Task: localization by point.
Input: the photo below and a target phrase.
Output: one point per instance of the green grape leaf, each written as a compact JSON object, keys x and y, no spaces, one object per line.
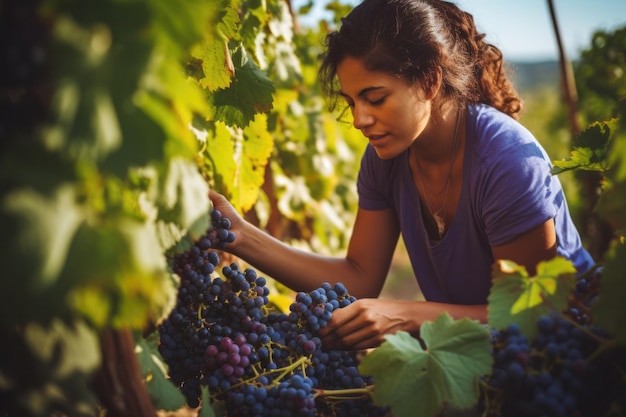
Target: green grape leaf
{"x":55,"y":364}
{"x":250,"y":92}
{"x":254,"y":21}
{"x":596,"y":136}
{"x":517,"y":298}
{"x":66,"y":348}
{"x":124,"y":119}
{"x":92,"y":107}
{"x":209,"y":408}
{"x":164,"y":395}
{"x":228,"y":25}
{"x":236,"y":159}
{"x":411,"y":378}
{"x":38,"y":230}
{"x":184,"y":197}
{"x":590,"y":150}
{"x":127,"y":283}
{"x":184,"y":23}
{"x":609,"y":311}
{"x":177,"y":94}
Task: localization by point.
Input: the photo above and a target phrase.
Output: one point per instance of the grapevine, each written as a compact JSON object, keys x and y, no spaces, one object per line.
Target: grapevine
{"x":225,"y":335}
{"x":569,"y":368}
{"x":101,"y":176}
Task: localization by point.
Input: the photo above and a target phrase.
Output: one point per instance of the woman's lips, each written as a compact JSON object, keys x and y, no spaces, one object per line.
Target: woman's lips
{"x":376,"y":138}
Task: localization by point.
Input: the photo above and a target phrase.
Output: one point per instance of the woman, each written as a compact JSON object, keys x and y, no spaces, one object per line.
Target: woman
{"x":447,"y":165}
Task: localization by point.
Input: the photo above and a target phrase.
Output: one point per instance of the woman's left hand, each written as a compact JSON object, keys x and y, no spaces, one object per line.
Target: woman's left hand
{"x":364,"y":323}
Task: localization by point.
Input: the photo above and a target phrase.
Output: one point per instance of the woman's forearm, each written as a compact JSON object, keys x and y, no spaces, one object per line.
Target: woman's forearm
{"x":364,"y":323}
{"x":298,"y":269}
{"x":429,"y":311}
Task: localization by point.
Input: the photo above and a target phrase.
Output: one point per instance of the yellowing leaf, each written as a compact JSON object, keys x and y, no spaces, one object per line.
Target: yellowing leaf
{"x":213,"y":56}
{"x":517,"y":298}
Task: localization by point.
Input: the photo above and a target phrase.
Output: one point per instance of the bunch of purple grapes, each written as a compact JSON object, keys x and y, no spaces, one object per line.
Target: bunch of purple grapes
{"x":218,"y":235}
{"x":587,"y":291}
{"x":255,"y":360}
{"x":562,"y":371}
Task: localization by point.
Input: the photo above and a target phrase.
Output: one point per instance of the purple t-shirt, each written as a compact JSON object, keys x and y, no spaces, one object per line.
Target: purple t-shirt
{"x":507,"y":190}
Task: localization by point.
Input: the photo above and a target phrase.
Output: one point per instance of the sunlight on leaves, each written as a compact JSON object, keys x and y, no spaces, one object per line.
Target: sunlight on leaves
{"x":517,"y":298}
{"x":249,"y":93}
{"x":590,"y":150}
{"x":75,"y":345}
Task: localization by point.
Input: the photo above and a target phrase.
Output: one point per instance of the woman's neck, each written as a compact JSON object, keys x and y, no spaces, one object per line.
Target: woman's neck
{"x":434,"y":145}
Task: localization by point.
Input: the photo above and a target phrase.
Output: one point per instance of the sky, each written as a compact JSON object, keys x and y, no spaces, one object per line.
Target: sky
{"x":522,"y":29}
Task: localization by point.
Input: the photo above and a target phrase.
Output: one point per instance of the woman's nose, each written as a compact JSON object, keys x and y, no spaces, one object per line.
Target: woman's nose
{"x":362,"y":117}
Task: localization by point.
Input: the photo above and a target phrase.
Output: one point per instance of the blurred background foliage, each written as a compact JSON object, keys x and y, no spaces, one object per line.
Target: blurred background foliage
{"x":116,"y":118}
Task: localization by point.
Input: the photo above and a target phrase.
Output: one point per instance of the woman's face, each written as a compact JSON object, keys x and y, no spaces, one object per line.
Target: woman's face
{"x":389,"y":112}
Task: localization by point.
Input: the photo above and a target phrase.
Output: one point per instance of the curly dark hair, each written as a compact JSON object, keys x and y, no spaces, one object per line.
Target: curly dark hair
{"x":424,"y":41}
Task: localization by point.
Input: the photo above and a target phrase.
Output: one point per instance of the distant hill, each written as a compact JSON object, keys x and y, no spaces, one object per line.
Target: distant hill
{"x":531,"y":75}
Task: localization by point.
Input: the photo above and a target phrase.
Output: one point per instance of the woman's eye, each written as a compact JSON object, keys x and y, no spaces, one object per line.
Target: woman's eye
{"x":377,"y":101}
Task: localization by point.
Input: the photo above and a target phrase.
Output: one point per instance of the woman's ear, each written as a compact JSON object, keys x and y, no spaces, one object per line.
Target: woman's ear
{"x":432,"y":89}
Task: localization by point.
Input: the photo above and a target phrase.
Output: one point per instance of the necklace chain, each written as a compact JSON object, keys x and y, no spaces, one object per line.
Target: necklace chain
{"x":439,"y":215}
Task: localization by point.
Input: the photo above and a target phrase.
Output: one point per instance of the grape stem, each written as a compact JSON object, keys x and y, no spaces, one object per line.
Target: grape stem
{"x":586,"y":330}
{"x":288,"y":369}
{"x":607,"y":345}
{"x":284,"y":371}
{"x":343,"y":394}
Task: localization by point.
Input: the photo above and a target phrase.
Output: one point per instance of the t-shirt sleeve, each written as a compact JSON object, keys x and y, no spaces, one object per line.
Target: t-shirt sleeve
{"x":373,"y":181}
{"x":518,"y":191}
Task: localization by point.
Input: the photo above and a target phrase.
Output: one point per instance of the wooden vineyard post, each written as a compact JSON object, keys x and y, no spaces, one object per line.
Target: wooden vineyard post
{"x":118,"y":384}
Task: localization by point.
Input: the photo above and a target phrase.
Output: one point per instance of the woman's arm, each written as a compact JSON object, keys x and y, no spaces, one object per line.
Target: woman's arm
{"x":363,"y":270}
{"x":530,"y":248}
{"x":364,"y":323}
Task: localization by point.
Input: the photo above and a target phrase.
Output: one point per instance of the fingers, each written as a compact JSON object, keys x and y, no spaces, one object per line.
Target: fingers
{"x":222,"y":204}
{"x":351,"y":328}
{"x":363,"y":338}
{"x":214,"y":196}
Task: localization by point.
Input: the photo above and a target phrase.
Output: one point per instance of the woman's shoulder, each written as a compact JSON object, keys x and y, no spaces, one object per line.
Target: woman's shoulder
{"x":375,"y":170}
{"x":489,"y":122}
{"x":494,"y":134}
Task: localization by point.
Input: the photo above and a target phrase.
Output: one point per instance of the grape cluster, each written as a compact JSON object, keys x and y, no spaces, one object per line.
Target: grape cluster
{"x":313,"y":310}
{"x":219,"y":234}
{"x":559,"y":372}
{"x":584,"y":294}
{"x":255,"y":360}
